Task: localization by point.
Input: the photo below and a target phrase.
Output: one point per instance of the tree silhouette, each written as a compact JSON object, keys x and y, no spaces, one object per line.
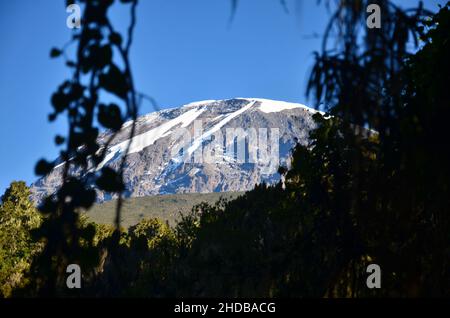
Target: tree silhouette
{"x":380,"y":185}
{"x":95,"y":68}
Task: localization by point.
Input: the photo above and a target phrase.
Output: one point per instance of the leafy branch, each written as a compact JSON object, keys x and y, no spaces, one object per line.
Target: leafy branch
{"x":94,"y":69}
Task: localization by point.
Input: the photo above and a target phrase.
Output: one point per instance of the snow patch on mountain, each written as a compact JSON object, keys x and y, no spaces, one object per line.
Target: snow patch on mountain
{"x":271,"y":106}
{"x":139,"y":142}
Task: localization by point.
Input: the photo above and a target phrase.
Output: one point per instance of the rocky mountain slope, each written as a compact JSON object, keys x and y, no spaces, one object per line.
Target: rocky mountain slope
{"x":207,"y":146}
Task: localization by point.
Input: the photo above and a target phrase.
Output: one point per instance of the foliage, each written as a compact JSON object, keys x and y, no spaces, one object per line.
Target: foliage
{"x":381,"y":188}
{"x":95,"y":71}
{"x":167,"y":207}
{"x":18,"y":217}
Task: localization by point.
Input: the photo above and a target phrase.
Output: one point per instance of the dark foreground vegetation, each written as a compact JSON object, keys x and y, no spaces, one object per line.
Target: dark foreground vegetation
{"x":371,"y":187}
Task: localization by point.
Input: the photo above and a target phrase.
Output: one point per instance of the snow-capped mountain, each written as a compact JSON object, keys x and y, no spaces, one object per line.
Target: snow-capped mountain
{"x":206,"y":146}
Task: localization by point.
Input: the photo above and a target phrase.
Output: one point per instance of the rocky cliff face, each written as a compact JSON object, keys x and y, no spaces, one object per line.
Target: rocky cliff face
{"x":207,"y":146}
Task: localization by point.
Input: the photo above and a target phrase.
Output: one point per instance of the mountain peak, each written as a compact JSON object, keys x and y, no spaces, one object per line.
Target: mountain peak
{"x":203,"y":146}
{"x":265,"y":105}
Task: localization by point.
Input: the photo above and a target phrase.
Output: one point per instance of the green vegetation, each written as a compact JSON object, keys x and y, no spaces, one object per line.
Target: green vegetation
{"x":168,"y":207}
{"x":18,"y":217}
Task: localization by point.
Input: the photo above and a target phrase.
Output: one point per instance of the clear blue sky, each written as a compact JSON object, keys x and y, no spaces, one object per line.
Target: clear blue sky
{"x":183,"y":51}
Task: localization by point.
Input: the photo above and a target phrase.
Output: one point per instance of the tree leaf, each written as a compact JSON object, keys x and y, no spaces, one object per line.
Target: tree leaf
{"x":55,"y":52}
{"x":43,"y":167}
{"x":110,"y":181}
